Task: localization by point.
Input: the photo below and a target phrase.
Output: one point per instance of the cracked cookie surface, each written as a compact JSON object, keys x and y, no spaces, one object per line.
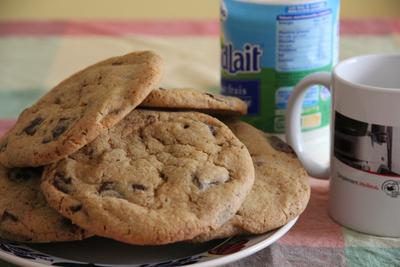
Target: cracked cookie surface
{"x":25,"y":215}
{"x":280,"y":192}
{"x":154,"y":178}
{"x":190,"y":99}
{"x":80,"y":108}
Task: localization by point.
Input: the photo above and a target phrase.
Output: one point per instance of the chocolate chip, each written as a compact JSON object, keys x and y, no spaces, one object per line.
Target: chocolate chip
{"x":139,"y":187}
{"x":108,"y":185}
{"x":204,"y":184}
{"x":61,"y":127}
{"x":163,"y":176}
{"x":196,"y":182}
{"x":108,"y":189}
{"x":215,"y":182}
{"x":33,"y":126}
{"x":162,"y":89}
{"x":46,"y":140}
{"x":213,"y":130}
{"x":62,"y":183}
{"x":24,"y":174}
{"x":279,"y":145}
{"x":75,"y":208}
{"x":99,"y":79}
{"x":3,"y":146}
{"x":84,"y":84}
{"x":186,"y":126}
{"x":201,"y":185}
{"x":259,"y":164}
{"x":88,"y":151}
{"x":66,"y":222}
{"x":210,"y":95}
{"x":57,"y":101}
{"x":9,"y":216}
{"x":213,"y":97}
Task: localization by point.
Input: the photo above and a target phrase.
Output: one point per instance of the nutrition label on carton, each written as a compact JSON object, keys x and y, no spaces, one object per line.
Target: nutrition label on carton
{"x":304,"y":41}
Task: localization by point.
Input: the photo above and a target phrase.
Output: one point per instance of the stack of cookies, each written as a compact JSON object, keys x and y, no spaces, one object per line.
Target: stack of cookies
{"x":107,"y":152}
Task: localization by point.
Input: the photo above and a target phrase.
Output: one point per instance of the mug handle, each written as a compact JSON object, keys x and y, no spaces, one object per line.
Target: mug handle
{"x":293,"y":123}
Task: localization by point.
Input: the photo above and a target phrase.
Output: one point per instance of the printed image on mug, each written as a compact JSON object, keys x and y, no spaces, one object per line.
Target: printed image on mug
{"x":372,"y":148}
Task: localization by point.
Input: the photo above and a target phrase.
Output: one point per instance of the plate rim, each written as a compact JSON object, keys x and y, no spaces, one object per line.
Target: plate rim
{"x":280,"y":232}
{"x":19,"y":261}
{"x":213,"y":262}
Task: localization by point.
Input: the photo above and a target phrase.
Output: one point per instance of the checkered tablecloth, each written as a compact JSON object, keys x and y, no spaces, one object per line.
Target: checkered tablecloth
{"x":36,"y":55}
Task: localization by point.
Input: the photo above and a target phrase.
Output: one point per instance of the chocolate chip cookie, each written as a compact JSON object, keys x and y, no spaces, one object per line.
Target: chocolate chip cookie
{"x":154,"y":178}
{"x":80,"y":108}
{"x":190,"y":99}
{"x":24,"y":213}
{"x":280,"y":192}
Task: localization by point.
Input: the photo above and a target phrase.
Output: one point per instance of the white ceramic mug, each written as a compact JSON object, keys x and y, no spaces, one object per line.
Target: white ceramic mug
{"x":364,"y":190}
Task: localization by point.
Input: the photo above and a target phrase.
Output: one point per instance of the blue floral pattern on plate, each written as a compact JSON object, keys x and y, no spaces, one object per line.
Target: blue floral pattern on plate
{"x":244,"y":245}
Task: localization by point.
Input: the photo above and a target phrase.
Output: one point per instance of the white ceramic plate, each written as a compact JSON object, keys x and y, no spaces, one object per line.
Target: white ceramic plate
{"x":106,"y":253}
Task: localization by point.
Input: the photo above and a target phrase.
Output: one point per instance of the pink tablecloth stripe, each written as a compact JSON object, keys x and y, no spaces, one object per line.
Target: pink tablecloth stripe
{"x":166,"y":28}
{"x":113,"y":28}
{"x":5,"y":124}
{"x":370,"y":26}
{"x":315,"y":228}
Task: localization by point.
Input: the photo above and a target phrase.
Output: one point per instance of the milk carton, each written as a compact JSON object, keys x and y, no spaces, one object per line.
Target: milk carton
{"x":267,"y":46}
